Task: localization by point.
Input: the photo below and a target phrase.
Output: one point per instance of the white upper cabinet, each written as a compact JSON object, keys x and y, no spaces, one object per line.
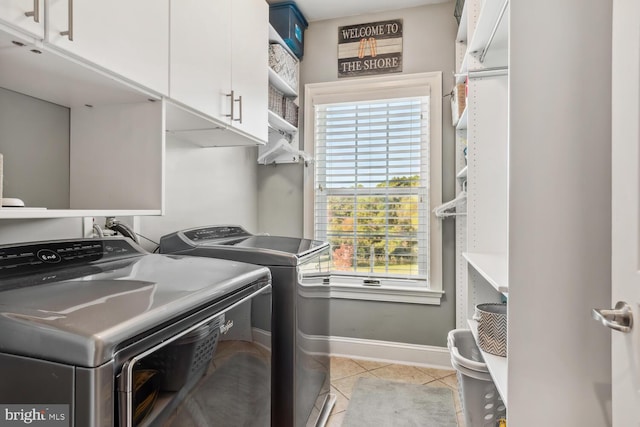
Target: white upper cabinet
{"x":249,"y":60}
{"x":200,"y":72}
{"x":24,"y":15}
{"x":129,"y":38}
{"x":219,"y":69}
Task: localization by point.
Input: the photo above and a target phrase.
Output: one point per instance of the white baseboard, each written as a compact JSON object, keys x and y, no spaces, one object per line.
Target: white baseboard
{"x":374,"y":350}
{"x":392,"y":352}
{"x":379,"y":351}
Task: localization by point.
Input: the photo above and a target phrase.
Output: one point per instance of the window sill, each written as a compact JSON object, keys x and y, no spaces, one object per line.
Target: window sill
{"x":342,"y":290}
{"x":385,"y":293}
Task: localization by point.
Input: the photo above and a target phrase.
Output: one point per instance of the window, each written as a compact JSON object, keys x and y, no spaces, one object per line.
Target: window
{"x":372,"y":185}
{"x":375,"y":179}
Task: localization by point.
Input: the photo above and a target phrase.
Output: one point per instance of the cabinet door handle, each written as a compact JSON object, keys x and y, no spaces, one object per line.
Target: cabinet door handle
{"x":240,"y":106}
{"x":231,"y":95}
{"x":35,"y":12}
{"x":69,"y":32}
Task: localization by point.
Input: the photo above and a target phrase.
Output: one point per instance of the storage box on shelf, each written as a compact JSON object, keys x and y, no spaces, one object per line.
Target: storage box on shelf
{"x":288,"y":21}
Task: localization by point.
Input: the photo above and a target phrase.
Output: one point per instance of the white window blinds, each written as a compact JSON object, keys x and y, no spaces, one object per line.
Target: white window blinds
{"x":372,"y":186}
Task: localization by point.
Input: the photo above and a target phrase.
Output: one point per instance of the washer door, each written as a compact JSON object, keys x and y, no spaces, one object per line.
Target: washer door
{"x":215,"y":373}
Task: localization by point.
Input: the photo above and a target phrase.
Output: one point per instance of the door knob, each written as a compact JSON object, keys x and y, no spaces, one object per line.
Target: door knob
{"x":619,"y":319}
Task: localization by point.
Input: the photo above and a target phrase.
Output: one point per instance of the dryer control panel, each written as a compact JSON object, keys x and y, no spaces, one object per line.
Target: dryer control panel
{"x":216,"y":233}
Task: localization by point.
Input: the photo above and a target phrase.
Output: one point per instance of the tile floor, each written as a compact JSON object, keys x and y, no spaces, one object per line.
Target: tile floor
{"x":345,"y":372}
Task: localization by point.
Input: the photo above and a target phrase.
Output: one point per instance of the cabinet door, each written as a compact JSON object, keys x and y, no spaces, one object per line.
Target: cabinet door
{"x":200,"y":70}
{"x":129,"y":38}
{"x":249,"y":60}
{"x":24,"y":15}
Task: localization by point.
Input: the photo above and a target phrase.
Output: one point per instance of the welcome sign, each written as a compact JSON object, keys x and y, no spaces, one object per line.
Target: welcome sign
{"x":373,"y":48}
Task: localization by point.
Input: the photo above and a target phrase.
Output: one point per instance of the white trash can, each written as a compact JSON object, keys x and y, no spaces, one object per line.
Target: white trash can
{"x":481,"y":402}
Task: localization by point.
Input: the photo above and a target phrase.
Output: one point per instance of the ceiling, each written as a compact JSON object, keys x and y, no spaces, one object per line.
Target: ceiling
{"x":317,"y":10}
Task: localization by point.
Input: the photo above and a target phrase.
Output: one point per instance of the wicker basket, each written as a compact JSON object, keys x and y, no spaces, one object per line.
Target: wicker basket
{"x":290,"y":111}
{"x":276,"y":101}
{"x":285,"y":65}
{"x":492,"y":328}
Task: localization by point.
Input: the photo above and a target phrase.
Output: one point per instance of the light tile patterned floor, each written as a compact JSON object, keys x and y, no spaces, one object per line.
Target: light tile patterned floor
{"x":345,"y":373}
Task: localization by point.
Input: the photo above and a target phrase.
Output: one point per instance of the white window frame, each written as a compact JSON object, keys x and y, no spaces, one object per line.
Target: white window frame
{"x":369,"y":89}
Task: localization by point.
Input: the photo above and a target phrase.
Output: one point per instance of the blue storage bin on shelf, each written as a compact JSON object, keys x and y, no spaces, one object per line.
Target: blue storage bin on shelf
{"x":287,"y":20}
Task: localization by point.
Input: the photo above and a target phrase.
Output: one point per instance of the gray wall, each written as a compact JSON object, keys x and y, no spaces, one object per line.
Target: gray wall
{"x":34,"y":140}
{"x":206,"y":186}
{"x":428,"y":45}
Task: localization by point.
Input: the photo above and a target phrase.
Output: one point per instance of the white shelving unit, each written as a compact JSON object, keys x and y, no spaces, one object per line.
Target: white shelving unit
{"x":483,"y":261}
{"x":538,"y":224}
{"x":283,"y":136}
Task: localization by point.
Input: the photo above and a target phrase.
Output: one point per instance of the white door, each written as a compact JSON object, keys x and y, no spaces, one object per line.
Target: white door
{"x":129,"y":38}
{"x":200,"y":71}
{"x":626,"y":215}
{"x":249,"y":62}
{"x":24,"y":15}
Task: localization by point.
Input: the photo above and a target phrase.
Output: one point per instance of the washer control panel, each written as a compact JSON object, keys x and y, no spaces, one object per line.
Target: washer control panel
{"x":32,"y":258}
